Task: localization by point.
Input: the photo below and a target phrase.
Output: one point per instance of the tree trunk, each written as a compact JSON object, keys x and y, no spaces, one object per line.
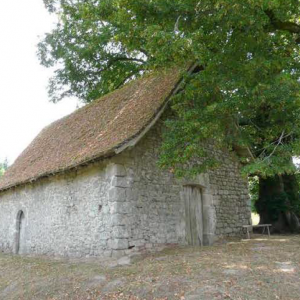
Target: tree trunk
{"x":278,"y":203}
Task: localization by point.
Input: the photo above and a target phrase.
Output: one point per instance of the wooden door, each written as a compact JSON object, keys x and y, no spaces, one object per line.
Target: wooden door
{"x":193,"y":215}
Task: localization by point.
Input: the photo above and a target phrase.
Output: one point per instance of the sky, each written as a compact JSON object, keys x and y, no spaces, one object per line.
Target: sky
{"x":25,"y":108}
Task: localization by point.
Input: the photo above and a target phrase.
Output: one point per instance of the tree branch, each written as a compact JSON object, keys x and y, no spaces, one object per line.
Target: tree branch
{"x":176,"y":27}
{"x":280,"y":25}
{"x":247,"y":147}
{"x":144,"y":52}
{"x":279,"y":142}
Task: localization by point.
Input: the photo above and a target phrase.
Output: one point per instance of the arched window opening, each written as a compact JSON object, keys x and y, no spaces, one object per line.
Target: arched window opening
{"x":19,"y":232}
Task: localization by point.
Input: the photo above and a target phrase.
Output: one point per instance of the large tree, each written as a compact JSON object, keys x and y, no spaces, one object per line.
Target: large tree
{"x":245,"y":96}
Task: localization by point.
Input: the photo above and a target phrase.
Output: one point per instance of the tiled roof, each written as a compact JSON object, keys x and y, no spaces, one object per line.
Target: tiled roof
{"x":93,"y":131}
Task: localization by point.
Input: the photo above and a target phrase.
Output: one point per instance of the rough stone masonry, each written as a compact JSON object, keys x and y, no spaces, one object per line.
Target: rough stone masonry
{"x":121,"y":204}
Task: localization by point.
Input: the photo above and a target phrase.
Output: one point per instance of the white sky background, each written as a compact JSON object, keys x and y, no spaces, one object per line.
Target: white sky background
{"x":24,"y":104}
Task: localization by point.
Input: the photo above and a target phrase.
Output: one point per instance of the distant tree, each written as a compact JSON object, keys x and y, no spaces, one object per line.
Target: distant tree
{"x":253,"y":191}
{"x":3,"y":167}
{"x":244,"y":97}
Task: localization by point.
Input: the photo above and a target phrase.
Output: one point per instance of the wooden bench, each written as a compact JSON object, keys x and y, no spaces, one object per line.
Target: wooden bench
{"x":250,"y":228}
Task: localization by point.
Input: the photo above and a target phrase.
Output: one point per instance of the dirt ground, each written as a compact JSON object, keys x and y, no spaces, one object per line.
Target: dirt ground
{"x":259,"y":268}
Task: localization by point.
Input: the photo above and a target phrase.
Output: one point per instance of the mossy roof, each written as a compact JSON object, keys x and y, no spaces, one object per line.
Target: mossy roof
{"x":94,"y":131}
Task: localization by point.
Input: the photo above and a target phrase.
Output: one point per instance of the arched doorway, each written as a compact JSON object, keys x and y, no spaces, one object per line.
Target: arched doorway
{"x":20,"y":227}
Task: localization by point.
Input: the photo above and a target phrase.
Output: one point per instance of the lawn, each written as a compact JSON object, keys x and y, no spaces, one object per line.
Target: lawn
{"x":259,"y":268}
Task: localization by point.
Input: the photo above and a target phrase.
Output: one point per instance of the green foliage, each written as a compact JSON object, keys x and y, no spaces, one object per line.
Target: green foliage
{"x":253,"y":190}
{"x":278,"y":194}
{"x":295,"y":197}
{"x":276,"y":205}
{"x":3,"y":167}
{"x":246,"y":96}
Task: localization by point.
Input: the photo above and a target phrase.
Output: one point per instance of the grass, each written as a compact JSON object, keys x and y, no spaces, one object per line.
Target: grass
{"x":259,"y":268}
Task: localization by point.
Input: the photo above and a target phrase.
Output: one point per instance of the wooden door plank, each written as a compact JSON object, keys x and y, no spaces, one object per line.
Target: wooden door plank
{"x":193,"y":215}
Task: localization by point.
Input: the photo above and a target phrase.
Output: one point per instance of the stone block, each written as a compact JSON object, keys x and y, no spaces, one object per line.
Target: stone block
{"x":118,"y":244}
{"x":116,"y":170}
{"x":132,"y":194}
{"x":116,"y":194}
{"x":137,"y":243}
{"x":122,"y":182}
{"x":118,"y":254}
{"x":120,"y":208}
{"x":228,"y":230}
{"x":120,"y":232}
{"x":118,"y":220}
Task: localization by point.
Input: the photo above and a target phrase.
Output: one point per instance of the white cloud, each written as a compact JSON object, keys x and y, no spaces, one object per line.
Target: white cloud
{"x":24,"y":105}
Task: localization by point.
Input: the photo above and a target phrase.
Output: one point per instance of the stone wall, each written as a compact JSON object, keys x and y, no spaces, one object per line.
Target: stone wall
{"x":120,"y":205}
{"x":231,"y":196}
{"x":154,"y":207}
{"x":64,"y":215}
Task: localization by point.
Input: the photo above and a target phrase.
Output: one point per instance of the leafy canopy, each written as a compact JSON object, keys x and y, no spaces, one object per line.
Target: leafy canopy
{"x":246,"y":96}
